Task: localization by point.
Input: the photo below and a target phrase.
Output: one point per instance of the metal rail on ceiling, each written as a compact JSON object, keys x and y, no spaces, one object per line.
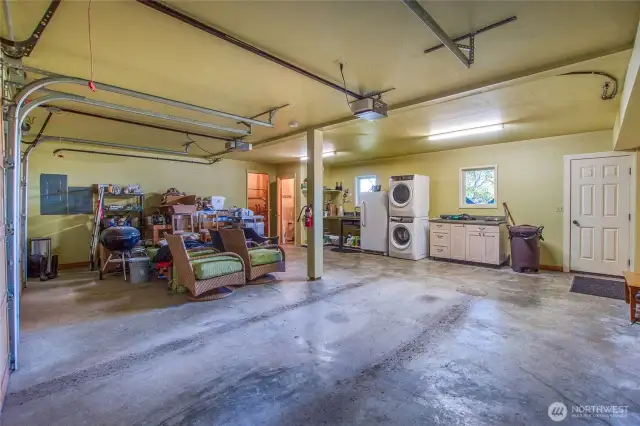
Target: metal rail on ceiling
{"x":81,"y":99}
{"x":147,"y":97}
{"x":431,"y":23}
{"x":176,"y":14}
{"x":136,"y":123}
{"x":475,"y":33}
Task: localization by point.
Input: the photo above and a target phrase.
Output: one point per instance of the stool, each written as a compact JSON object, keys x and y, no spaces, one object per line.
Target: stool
{"x":177,"y":221}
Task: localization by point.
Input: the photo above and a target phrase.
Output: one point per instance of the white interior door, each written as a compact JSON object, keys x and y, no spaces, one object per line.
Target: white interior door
{"x":600,"y":214}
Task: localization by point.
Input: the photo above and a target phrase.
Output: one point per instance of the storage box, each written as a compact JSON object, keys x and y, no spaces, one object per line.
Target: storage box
{"x":180,"y":199}
{"x":217,"y":203}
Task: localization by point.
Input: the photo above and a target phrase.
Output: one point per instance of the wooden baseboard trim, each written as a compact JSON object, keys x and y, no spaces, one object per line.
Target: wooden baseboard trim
{"x":551,"y":268}
{"x":73,"y":265}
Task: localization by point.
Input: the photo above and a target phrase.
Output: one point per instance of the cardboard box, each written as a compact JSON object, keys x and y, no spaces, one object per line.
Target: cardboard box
{"x":189,"y":200}
{"x":182,"y":209}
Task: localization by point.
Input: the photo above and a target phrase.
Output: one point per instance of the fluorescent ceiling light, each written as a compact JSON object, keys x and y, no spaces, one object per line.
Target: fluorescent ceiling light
{"x":324,"y":154}
{"x":467,"y":132}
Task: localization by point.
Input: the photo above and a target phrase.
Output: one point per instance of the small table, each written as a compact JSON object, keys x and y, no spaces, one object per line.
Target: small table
{"x":631,"y":289}
{"x":353,"y":220}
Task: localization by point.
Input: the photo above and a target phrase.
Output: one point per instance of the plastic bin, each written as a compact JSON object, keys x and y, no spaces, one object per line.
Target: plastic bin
{"x":139,"y":270}
{"x":525,"y":247}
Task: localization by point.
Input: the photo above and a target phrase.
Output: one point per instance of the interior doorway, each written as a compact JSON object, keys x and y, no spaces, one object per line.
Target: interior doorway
{"x":258,"y":198}
{"x":286,"y":210}
{"x":599,"y":213}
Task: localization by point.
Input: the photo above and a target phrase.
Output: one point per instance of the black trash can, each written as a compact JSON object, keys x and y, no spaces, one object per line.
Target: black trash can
{"x":525,"y":247}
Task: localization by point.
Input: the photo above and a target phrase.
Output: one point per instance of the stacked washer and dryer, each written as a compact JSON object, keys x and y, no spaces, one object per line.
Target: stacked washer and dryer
{"x":409,"y":217}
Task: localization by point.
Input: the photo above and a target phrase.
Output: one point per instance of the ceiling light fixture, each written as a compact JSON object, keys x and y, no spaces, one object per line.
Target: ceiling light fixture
{"x":467,"y":132}
{"x":293,"y":124}
{"x":324,"y":155}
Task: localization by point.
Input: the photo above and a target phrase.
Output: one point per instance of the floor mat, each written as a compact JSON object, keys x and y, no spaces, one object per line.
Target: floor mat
{"x":598,"y":287}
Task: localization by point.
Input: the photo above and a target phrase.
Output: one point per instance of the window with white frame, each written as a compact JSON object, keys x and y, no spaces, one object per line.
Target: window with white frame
{"x":479,"y":187}
{"x":364,"y":184}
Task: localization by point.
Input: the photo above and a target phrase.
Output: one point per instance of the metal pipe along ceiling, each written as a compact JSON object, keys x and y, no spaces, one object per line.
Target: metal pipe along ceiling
{"x":114,"y":154}
{"x":81,"y":99}
{"x":145,"y":96}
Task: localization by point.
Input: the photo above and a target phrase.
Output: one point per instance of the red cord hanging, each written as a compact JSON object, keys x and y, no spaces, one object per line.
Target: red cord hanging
{"x":91,"y":84}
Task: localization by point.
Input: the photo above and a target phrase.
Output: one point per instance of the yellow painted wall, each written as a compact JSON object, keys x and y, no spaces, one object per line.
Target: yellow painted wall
{"x":530,"y":179}
{"x":71,"y":233}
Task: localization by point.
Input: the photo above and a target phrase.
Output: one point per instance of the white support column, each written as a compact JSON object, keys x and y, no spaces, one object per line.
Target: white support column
{"x":315,"y":198}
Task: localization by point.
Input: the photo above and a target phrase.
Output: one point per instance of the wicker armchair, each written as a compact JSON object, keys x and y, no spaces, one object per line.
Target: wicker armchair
{"x":216,"y":287}
{"x":258,"y":261}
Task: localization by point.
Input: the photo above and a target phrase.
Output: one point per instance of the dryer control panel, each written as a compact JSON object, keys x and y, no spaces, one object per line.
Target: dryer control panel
{"x":400,"y":178}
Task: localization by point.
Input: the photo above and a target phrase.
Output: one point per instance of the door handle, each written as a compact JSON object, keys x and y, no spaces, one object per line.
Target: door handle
{"x":363,"y":214}
{"x":576,"y":223}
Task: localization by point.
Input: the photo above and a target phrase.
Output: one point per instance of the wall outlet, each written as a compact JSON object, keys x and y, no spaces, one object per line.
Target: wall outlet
{"x":559,"y":209}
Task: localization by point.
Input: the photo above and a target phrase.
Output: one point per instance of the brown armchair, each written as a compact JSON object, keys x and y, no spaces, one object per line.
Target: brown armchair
{"x":207,"y":276}
{"x":258,"y":261}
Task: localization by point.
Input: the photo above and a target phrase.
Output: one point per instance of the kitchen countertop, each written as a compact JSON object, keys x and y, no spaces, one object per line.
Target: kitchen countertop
{"x":470,"y":222}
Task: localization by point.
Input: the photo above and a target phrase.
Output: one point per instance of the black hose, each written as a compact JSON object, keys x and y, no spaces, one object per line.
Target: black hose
{"x":39,"y":135}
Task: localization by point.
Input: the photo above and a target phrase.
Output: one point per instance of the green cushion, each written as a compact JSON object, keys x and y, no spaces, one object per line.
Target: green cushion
{"x":216,"y":266}
{"x":264,"y":256}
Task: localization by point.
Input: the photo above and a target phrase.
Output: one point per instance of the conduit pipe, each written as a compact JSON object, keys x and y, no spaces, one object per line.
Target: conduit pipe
{"x":145,"y":96}
{"x":15,"y":233}
{"x":114,"y":154}
{"x":110,"y":145}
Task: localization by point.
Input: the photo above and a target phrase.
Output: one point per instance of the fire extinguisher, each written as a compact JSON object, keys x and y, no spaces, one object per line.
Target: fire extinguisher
{"x":307,"y":211}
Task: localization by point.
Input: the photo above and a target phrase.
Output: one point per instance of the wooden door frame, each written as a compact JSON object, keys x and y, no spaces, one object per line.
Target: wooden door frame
{"x":279,"y":212}
{"x":246,"y":188}
{"x":566,"y":222}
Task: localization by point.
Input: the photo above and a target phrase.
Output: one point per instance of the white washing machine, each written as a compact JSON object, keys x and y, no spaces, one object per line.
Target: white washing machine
{"x":409,"y":237}
{"x":409,"y":196}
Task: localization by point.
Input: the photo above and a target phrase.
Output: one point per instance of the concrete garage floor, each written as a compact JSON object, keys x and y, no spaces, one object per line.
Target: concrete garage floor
{"x":377,"y":341}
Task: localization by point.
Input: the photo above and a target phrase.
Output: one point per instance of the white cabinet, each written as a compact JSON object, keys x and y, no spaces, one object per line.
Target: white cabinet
{"x":475,"y":247}
{"x":458,"y":245}
{"x":471,"y":243}
{"x":491,"y":248}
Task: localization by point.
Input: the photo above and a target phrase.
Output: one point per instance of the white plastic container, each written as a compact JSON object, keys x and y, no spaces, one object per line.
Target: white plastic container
{"x":217,"y":203}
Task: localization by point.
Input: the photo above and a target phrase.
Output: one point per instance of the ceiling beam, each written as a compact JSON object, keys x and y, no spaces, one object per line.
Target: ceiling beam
{"x":428,"y":20}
